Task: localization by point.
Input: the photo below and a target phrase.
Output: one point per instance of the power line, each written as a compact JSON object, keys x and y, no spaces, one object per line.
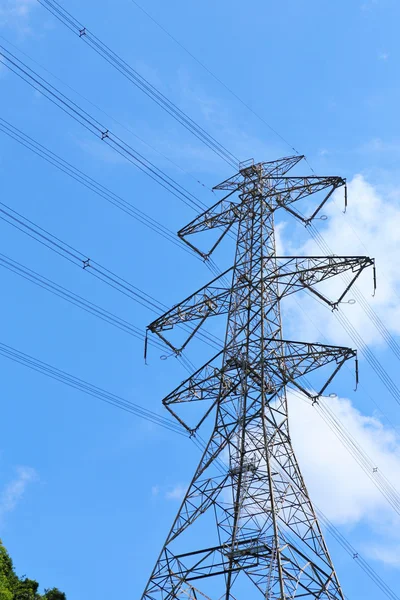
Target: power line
{"x":357,"y":557}
{"x":88,"y":388}
{"x":360,"y":385}
{"x":123,"y":125}
{"x":92,"y":184}
{"x":96,"y":128}
{"x":73,"y":298}
{"x":138,"y":80}
{"x":358,"y":340}
{"x":130,"y":407}
{"x":353,"y":553}
{"x":90,"y":265}
{"x":84,"y":304}
{"x":362,"y":458}
{"x":82,"y":261}
{"x":367,"y":308}
{"x":203,"y":66}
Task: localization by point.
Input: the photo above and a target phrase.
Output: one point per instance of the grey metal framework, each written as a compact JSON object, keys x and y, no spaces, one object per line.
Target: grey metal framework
{"x":246,"y":527}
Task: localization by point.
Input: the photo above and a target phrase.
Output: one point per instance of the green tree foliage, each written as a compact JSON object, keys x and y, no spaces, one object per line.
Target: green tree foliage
{"x":13,"y":587}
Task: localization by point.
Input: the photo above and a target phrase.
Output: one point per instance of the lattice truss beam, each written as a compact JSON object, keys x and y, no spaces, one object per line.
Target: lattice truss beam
{"x":247,"y":499}
{"x":291,"y":274}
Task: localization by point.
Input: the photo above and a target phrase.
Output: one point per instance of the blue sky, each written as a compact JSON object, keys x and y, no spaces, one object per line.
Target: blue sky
{"x":87,"y":492}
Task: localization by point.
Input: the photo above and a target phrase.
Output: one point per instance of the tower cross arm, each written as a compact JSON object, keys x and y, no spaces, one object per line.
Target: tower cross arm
{"x":249,"y":169}
{"x":211,"y":299}
{"x":282,"y":192}
{"x":222,"y":214}
{"x":277,"y":192}
{"x":293,"y":274}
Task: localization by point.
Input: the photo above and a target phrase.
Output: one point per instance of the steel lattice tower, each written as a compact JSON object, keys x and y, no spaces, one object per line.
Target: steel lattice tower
{"x":246,"y":527}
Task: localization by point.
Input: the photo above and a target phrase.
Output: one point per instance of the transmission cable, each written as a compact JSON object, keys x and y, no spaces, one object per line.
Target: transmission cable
{"x":356,"y":556}
{"x":357,"y":338}
{"x":372,"y":360}
{"x":86,"y":305}
{"x":367,"y":308}
{"x":203,"y":66}
{"x":82,"y":117}
{"x":92,"y":184}
{"x":81,"y":260}
{"x":138,"y":80}
{"x":360,"y":561}
{"x":362,"y":458}
{"x":88,"y":388}
{"x":123,"y":125}
{"x":360,"y":385}
{"x":102,"y":191}
{"x":128,"y":406}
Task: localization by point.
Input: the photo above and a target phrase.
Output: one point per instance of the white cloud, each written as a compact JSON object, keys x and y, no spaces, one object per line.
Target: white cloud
{"x":369,"y":5}
{"x":15,"y":489}
{"x":15,"y":14}
{"x":388,"y":554}
{"x":370,"y":227}
{"x":335,"y":480}
{"x":176,"y":493}
{"x":155,"y":490}
{"x":379,"y":147}
{"x":337,"y":484}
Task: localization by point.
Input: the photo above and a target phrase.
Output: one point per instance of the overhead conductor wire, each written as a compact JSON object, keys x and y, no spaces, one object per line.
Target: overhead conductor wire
{"x":92,"y":184}
{"x":81,"y":260}
{"x":128,"y":406}
{"x":138,"y":80}
{"x":96,"y":128}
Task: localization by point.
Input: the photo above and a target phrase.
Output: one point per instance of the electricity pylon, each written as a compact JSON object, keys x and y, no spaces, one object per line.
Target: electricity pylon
{"x":246,"y":527}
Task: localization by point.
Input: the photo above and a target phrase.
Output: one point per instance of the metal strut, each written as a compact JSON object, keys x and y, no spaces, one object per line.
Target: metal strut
{"x":246,"y":527}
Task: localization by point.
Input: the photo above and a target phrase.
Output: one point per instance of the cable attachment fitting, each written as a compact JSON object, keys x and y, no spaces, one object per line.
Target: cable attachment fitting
{"x":374,"y":275}
{"x":146,"y":341}
{"x":357,"y":377}
{"x":314,"y":400}
{"x":82,"y":32}
{"x":86,"y":263}
{"x":105,"y":134}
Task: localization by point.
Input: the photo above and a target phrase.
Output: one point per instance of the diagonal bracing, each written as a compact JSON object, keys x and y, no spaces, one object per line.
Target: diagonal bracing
{"x":246,"y":527}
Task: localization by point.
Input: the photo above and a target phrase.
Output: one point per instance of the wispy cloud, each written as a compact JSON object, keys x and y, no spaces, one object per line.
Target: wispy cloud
{"x":176,"y":493}
{"x":368,"y":5}
{"x":370,"y":227}
{"x":386,"y":553}
{"x":337,"y":484}
{"x":380,"y":146}
{"x":15,"y":14}
{"x":15,"y":489}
